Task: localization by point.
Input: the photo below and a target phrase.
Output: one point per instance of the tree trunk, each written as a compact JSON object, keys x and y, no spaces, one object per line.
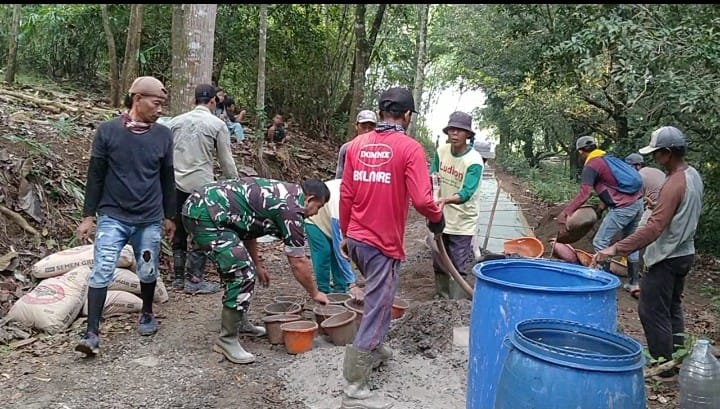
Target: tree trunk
{"x":358,"y":81}
{"x":263,"y":169}
{"x":364,"y":45}
{"x":179,"y":66}
{"x":13,"y":45}
{"x":419,"y":65}
{"x":132,"y":46}
{"x":199,"y":29}
{"x":112,"y":58}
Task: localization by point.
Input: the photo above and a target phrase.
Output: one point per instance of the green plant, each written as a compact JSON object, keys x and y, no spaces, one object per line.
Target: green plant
{"x":32,"y":146}
{"x":712,"y":292}
{"x":65,"y":127}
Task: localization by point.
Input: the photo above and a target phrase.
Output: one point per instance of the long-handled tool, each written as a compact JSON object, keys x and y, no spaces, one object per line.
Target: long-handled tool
{"x":445,"y":259}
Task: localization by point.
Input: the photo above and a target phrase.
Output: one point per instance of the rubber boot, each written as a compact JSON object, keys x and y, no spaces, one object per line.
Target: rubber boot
{"x":382,"y":354}
{"x":356,"y":369}
{"x":227,"y":343}
{"x":195,"y":283}
{"x":179,"y":259}
{"x":246,"y":328}
{"x":456,"y":292}
{"x":442,"y":283}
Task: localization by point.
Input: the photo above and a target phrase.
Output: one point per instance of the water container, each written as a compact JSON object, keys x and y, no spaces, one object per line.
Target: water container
{"x":511,"y":290}
{"x":700,"y":379}
{"x":435,"y":179}
{"x":559,"y":364}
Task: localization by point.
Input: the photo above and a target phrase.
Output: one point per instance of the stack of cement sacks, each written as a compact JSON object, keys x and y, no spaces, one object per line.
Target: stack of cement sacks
{"x":54,"y":304}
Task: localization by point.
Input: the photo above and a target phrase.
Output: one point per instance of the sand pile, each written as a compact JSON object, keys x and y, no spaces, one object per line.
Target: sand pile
{"x":427,"y":328}
{"x":426,"y":371}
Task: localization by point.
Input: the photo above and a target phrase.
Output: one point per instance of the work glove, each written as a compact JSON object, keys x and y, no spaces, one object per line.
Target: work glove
{"x":437,"y":228}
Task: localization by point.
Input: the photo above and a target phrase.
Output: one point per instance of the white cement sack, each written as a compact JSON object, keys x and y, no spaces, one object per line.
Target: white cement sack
{"x":63,"y":261}
{"x":118,"y":302}
{"x":126,"y":280}
{"x":54,"y":304}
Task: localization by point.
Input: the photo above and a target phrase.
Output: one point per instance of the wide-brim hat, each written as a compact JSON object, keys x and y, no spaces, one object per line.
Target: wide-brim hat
{"x":460,"y":120}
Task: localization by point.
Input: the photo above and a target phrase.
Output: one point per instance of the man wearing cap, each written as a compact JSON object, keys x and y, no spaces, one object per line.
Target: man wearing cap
{"x":384,"y":169}
{"x":460,"y":169}
{"x":365,"y":122}
{"x":668,"y":239}
{"x":199,"y":138}
{"x":653,"y":179}
{"x":624,"y":210}
{"x":130,"y":188}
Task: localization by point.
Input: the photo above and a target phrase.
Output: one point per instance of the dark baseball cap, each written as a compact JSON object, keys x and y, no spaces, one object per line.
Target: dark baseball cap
{"x":205,"y":92}
{"x":397,"y":99}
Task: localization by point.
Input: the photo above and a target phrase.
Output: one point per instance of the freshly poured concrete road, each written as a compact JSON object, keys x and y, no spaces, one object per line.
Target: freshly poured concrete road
{"x":508,"y":222}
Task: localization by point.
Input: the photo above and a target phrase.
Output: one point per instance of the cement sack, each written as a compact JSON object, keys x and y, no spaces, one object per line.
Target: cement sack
{"x":118,"y":303}
{"x":66,"y":260}
{"x":54,"y":304}
{"x":126,"y":280}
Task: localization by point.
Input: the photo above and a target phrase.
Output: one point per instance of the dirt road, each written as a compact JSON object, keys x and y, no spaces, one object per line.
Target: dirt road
{"x":177,"y":369}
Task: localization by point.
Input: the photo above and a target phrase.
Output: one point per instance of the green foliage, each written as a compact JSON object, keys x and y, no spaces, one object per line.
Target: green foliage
{"x":550,"y":182}
{"x":65,"y":127}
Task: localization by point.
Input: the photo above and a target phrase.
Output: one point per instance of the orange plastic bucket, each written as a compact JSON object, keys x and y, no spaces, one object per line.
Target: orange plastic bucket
{"x":298,"y":336}
{"x":398,"y":308}
{"x":584,"y":257}
{"x":524,"y":246}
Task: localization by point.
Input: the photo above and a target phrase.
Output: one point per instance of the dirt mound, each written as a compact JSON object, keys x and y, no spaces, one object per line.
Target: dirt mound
{"x":427,"y":328}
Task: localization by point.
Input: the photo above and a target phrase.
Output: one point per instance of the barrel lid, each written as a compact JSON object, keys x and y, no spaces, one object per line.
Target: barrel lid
{"x":610,"y":352}
{"x":597,"y":280}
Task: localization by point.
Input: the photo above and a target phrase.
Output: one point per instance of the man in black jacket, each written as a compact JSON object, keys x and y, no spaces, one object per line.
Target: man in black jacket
{"x":131,"y":190}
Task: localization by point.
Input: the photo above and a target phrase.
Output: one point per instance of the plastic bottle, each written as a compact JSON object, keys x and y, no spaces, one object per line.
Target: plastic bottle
{"x":700,"y":379}
{"x":435,"y":178}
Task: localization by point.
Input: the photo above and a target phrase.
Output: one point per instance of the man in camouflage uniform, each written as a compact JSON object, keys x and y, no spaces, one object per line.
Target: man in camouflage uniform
{"x":226,"y":217}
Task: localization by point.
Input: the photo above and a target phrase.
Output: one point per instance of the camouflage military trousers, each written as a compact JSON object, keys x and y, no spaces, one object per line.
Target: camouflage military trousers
{"x":226,"y":249}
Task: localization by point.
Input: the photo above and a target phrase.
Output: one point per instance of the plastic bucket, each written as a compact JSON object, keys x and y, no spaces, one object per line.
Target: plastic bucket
{"x":357,"y":307}
{"x":338,"y":298}
{"x":525,"y":246}
{"x":561,"y":364}
{"x":272,"y":325}
{"x":341,"y":327}
{"x":323,"y":312}
{"x":284,"y":307}
{"x":298,"y":336}
{"x":398,"y":308}
{"x":509,"y":291}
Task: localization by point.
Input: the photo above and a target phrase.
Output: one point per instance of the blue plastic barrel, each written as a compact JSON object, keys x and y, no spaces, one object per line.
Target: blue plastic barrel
{"x":511,"y":290}
{"x":556,"y":364}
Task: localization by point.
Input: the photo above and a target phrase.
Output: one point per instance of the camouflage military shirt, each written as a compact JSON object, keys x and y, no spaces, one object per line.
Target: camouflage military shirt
{"x":253,"y":207}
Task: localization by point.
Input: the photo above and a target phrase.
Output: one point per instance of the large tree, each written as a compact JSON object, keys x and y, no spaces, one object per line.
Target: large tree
{"x":364,"y":45}
{"x":112,"y":57}
{"x":13,"y":45}
{"x":132,"y":46}
{"x":260,"y":113}
{"x":420,"y":63}
{"x":198,"y":32}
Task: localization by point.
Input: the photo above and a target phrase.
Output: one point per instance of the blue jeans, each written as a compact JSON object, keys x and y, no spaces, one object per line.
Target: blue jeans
{"x":236,"y":129}
{"x":112,"y":235}
{"x":619,"y":220}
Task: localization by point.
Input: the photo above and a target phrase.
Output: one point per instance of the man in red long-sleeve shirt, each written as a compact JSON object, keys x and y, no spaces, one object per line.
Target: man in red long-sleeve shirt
{"x":384,"y":170}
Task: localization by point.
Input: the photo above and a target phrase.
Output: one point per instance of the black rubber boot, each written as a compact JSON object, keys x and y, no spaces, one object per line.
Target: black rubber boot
{"x":179,"y":259}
